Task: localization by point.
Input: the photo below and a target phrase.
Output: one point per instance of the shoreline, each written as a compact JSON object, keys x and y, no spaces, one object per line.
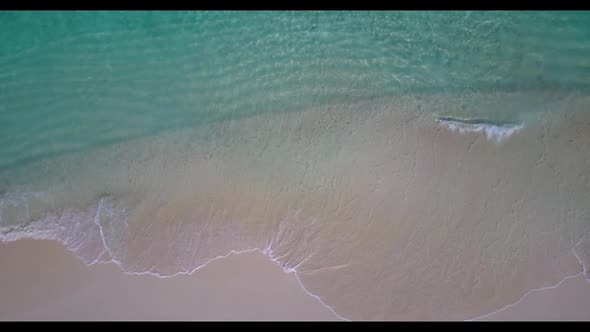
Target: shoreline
{"x":45,"y":281}
{"x":284,"y":291}
{"x":490,"y":248}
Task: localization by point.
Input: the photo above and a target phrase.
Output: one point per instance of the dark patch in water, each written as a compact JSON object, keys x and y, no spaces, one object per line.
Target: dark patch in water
{"x":477,"y":121}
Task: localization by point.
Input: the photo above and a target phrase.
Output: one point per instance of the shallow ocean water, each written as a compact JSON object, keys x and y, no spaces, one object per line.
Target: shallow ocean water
{"x":406,"y":165}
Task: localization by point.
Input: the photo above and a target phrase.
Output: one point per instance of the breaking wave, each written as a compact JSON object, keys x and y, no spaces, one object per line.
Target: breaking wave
{"x":496,"y":131}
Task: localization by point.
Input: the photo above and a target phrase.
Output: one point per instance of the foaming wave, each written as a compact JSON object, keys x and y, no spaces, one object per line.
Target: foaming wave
{"x":74,"y":227}
{"x":86,"y":234}
{"x":495,"y":131}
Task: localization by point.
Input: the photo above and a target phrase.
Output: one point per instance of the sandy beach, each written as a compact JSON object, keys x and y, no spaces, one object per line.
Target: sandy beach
{"x":41,"y":280}
{"x":569,"y":301}
{"x":361,"y":166}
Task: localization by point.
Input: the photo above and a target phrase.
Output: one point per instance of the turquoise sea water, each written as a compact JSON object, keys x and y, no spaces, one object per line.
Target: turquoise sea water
{"x":74,"y":80}
{"x":406,"y":165}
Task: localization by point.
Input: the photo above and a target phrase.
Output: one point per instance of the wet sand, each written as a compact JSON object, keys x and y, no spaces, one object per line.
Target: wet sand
{"x":569,"y":301}
{"x":41,"y":280}
{"x":377,"y":207}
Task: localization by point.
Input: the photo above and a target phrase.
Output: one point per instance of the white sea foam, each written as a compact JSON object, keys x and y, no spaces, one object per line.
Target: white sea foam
{"x":73,"y":227}
{"x":81,"y":232}
{"x":494,"y":131}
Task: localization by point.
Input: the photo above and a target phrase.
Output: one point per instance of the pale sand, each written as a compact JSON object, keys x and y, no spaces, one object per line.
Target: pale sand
{"x":41,"y":280}
{"x":570,"y":301}
{"x":381,"y":210}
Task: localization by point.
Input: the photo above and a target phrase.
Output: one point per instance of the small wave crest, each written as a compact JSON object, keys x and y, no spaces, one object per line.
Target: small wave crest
{"x":495,"y":131}
{"x":74,"y":227}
